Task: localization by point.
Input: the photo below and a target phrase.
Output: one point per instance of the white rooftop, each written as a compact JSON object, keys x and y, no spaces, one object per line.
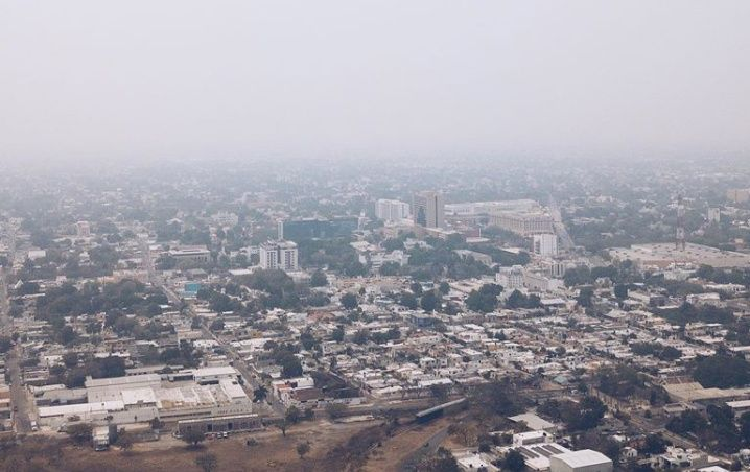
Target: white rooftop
{"x":583,"y":458}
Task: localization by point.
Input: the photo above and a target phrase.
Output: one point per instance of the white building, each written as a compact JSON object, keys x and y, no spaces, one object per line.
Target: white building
{"x":585,"y":460}
{"x":225,"y":219}
{"x":279,"y":255}
{"x":545,"y":244}
{"x":510,"y":277}
{"x":399,"y":257}
{"x":83,"y":229}
{"x":523,"y":223}
{"x":390,"y":210}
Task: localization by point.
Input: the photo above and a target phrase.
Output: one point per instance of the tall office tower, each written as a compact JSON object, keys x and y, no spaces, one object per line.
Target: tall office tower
{"x":429,"y":209}
{"x":545,"y":244}
{"x":279,"y":255}
{"x":391,"y":210}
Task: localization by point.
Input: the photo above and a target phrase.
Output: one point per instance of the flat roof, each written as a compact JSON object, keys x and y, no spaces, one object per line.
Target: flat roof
{"x":583,"y":458}
{"x":532,"y":421}
{"x":127,"y":380}
{"x":80,"y":408}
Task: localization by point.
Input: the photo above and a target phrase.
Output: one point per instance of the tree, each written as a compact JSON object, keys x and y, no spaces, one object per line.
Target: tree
{"x":585,"y":415}
{"x":124,"y":441}
{"x":206,"y":461}
{"x":302,"y":449}
{"x":392,"y":244}
{"x":514,"y":461}
{"x":349,"y":301}
{"x":67,"y":336}
{"x":4,"y":344}
{"x":409,"y":300}
{"x":654,"y":444}
{"x":584,"y":297}
{"x":338,"y":334}
{"x":442,"y":461}
{"x":689,"y":421}
{"x":484,"y":299}
{"x":336,"y":410}
{"x":722,"y":370}
{"x":745,"y":426}
{"x":293,"y":415}
{"x":621,"y":291}
{"x":389,"y":269}
{"x":70,"y":359}
{"x":361,"y":337}
{"x":318,"y":279}
{"x":217,"y":325}
{"x":291,"y":366}
{"x":429,"y":301}
{"x":283,"y":424}
{"x":260,"y":393}
{"x":193,"y":437}
{"x":80,"y":433}
{"x":439,"y":391}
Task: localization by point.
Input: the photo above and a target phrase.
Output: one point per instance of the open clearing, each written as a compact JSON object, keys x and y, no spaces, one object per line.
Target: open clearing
{"x":272,"y":453}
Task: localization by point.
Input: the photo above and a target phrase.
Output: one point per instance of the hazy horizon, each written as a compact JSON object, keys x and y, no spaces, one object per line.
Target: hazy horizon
{"x":87,"y":81}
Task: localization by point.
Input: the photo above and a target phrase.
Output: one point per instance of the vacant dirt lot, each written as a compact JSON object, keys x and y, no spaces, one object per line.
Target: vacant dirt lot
{"x":395,"y":450}
{"x":272,"y":453}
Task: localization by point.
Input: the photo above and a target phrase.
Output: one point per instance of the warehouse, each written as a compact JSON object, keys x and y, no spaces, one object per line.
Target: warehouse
{"x":584,"y":460}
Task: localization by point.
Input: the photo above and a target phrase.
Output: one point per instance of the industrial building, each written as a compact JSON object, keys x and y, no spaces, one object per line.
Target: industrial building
{"x":189,"y":394}
{"x":584,"y":460}
{"x":665,"y":254}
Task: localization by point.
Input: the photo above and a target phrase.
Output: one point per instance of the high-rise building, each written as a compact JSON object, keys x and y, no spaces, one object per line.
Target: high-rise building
{"x":390,"y":210}
{"x":279,"y":255}
{"x":545,"y":244}
{"x":713,"y":215}
{"x":429,"y":210}
{"x":83,"y":229}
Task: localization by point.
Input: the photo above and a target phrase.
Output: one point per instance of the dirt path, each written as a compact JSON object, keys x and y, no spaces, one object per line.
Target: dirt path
{"x":397,"y":451}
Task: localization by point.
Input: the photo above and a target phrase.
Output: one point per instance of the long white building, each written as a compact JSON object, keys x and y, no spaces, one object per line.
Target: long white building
{"x":523,"y":223}
{"x":390,"y":210}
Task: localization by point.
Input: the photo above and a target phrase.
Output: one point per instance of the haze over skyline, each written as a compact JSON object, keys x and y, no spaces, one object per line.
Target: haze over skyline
{"x":87,"y":80}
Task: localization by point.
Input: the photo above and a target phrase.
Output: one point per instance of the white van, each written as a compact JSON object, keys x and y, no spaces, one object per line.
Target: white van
{"x":34,"y":426}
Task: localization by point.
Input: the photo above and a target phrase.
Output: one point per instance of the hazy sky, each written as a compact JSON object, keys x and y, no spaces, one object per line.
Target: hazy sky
{"x":173,"y":79}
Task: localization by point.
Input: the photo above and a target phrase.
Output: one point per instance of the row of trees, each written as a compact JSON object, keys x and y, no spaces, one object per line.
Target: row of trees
{"x":717,"y":428}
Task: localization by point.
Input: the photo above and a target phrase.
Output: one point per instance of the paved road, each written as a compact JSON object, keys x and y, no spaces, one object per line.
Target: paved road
{"x":565,"y":240}
{"x":276,"y":408}
{"x":18,"y":395}
{"x":4,"y":303}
